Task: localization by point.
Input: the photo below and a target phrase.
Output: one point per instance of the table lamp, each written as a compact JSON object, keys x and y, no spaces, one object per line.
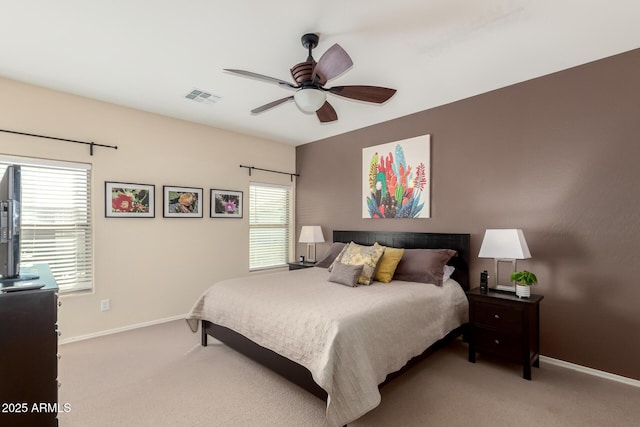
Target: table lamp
{"x":311,"y":234}
{"x":504,"y":245}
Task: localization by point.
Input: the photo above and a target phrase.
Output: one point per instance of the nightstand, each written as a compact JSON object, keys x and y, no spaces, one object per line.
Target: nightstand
{"x":300,"y":265}
{"x":503,"y":325}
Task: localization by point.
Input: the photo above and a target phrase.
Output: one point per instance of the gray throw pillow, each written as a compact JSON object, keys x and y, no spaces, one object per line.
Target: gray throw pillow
{"x":345,"y":274}
{"x":332,"y":253}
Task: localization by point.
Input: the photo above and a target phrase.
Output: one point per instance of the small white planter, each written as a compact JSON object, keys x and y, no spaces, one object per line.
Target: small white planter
{"x":523,"y":291}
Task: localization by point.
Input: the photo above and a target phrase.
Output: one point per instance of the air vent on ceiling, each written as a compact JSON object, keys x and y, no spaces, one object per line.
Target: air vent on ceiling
{"x":202,"y":96}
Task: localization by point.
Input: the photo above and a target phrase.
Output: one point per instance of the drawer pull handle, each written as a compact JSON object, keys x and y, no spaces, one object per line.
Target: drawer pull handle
{"x":497,"y":316}
{"x":59,"y":333}
{"x":59,"y":303}
{"x":497,"y":341}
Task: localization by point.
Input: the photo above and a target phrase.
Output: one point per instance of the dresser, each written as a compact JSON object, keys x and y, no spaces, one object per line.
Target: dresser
{"x":505,"y":326}
{"x":28,"y":354}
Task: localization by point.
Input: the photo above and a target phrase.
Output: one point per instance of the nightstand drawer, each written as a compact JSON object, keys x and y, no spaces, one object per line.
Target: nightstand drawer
{"x":498,"y":343}
{"x":503,"y":318}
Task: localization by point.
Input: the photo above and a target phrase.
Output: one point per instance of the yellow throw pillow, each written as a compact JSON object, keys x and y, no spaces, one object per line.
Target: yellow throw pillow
{"x":388,"y":263}
{"x":367,"y":256}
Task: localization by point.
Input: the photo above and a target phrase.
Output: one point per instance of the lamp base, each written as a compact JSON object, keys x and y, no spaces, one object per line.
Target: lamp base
{"x":506,"y":288}
{"x":311,"y":252}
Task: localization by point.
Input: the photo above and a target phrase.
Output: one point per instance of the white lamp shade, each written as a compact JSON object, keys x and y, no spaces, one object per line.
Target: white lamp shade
{"x":504,"y":243}
{"x":311,"y":234}
{"x":310,"y":100}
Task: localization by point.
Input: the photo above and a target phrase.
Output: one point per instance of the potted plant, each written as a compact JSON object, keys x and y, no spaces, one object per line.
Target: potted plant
{"x":524,"y":280}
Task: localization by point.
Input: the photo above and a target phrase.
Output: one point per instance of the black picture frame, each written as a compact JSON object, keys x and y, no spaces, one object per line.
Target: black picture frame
{"x":129,"y":200}
{"x":181,"y":202}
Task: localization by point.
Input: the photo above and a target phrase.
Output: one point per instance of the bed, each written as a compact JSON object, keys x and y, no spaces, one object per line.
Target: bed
{"x":337,"y":342}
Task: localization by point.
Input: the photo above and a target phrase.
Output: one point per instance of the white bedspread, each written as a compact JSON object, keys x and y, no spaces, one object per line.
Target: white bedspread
{"x":348,"y":338}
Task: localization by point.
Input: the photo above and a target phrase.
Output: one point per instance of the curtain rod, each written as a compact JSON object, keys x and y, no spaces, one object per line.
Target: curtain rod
{"x":90,"y":144}
{"x":291,"y":175}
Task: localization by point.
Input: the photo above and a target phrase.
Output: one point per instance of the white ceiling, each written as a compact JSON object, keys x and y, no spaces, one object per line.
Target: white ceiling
{"x":148,"y":54}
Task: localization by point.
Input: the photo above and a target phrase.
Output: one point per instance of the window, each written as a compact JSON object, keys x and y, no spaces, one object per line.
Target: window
{"x":269,"y":225}
{"x":56,"y":219}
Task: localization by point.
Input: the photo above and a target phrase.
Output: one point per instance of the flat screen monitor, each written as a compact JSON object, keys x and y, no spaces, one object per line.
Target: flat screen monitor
{"x":10,"y":199}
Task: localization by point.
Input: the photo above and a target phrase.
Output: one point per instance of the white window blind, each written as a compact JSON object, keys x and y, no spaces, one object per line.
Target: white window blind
{"x":269,"y":225}
{"x":56,"y":219}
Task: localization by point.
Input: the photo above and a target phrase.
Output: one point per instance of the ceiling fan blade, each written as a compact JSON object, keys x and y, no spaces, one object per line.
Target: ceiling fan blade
{"x":262,"y":77}
{"x":326,"y":113}
{"x":375,"y":94}
{"x":332,"y":63}
{"x":271,"y":105}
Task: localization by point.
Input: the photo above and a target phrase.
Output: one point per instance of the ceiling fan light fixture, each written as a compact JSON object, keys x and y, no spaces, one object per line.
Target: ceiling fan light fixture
{"x":310,"y":100}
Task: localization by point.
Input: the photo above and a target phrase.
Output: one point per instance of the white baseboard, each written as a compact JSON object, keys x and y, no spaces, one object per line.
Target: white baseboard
{"x":122,"y":329}
{"x":590,"y":371}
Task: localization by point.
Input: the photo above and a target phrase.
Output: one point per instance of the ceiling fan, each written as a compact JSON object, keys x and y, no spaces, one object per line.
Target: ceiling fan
{"x":311,"y":76}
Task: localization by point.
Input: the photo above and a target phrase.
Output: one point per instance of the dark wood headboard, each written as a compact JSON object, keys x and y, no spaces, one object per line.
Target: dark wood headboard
{"x":457,"y":241}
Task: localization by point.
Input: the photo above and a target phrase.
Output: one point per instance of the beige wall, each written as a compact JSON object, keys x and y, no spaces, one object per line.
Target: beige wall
{"x":150,"y":269}
{"x":556,"y":156}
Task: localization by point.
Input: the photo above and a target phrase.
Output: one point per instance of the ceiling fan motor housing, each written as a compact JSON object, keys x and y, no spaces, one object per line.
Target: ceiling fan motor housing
{"x":303,"y":72}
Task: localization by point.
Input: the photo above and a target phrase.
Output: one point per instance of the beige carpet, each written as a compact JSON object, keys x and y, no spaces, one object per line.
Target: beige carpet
{"x":161,"y":376}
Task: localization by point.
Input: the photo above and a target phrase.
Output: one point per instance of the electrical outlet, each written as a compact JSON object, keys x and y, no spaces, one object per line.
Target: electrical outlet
{"x":105,"y":305}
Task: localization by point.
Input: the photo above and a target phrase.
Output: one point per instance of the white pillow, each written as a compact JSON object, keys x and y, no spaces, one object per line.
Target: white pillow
{"x":448,"y":271}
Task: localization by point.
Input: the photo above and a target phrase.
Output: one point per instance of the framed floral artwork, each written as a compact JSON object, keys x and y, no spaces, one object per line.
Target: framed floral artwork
{"x":226,"y":204}
{"x":396,"y":179}
{"x":182,"y":202}
{"x":127,"y":200}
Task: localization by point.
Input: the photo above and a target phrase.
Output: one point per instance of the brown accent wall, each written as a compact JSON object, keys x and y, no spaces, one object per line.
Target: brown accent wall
{"x":556,"y":156}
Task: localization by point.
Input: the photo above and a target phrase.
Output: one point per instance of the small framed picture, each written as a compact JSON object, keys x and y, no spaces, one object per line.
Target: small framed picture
{"x":182,"y":202}
{"x":226,"y":204}
{"x":128,"y":200}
